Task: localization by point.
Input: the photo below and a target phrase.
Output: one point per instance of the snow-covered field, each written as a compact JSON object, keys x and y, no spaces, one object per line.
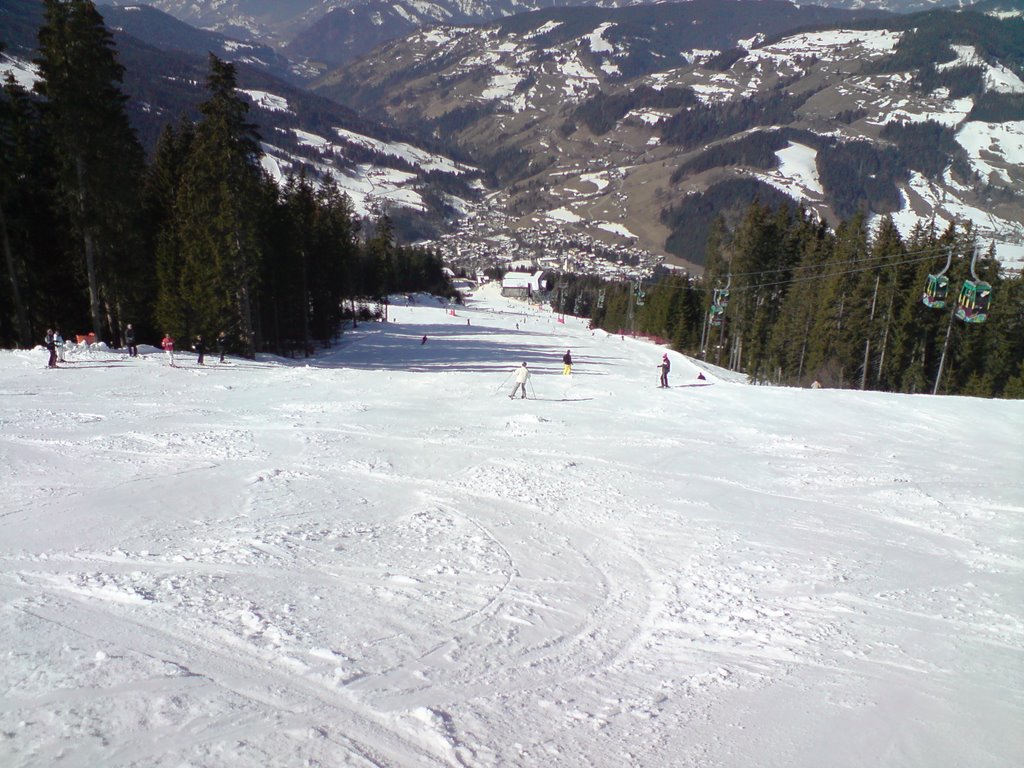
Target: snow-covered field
{"x":378,"y":559}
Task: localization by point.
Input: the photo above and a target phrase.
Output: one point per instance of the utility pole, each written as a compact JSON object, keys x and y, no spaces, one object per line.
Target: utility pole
{"x":867,"y":341}
{"x":703,"y":337}
{"x":945,"y":346}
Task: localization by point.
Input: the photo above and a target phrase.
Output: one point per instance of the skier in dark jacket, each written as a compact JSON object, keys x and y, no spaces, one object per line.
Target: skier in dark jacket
{"x":567,"y":363}
{"x":129,"y":340}
{"x":200,"y":348}
{"x":222,"y":344}
{"x":664,"y":366}
{"x":51,"y":345}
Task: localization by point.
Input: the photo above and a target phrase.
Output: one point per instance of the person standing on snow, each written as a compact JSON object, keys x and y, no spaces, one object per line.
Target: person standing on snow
{"x":664,"y":367}
{"x":200,"y":348}
{"x":129,"y":340}
{"x":522,"y":374}
{"x":51,"y":347}
{"x":58,"y":342}
{"x":168,"y":347}
{"x":222,"y":344}
{"x":567,"y":363}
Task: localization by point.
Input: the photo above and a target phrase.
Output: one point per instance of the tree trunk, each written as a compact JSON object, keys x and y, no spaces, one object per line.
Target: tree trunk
{"x":111,"y":323}
{"x":245,"y":321}
{"x":90,"y":254}
{"x":803,"y":350}
{"x":24,"y":330}
{"x":305,"y":306}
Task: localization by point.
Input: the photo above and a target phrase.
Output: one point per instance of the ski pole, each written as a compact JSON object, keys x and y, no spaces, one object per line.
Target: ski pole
{"x":533,"y":392}
{"x":503,"y":382}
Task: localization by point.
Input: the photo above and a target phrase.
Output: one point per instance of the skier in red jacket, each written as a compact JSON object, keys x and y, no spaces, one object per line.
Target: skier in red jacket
{"x":168,"y":345}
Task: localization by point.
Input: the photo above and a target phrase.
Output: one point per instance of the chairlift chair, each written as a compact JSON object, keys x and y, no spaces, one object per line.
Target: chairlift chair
{"x":973,"y":304}
{"x":975,"y":297}
{"x":716,"y":315}
{"x":935,"y":291}
{"x":937,"y":287}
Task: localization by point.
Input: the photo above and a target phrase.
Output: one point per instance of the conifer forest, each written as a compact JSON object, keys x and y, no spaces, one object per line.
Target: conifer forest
{"x":789,"y":301}
{"x":196,"y":239}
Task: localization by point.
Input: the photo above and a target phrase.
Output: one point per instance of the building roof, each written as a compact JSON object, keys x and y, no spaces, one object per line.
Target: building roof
{"x":522,"y":280}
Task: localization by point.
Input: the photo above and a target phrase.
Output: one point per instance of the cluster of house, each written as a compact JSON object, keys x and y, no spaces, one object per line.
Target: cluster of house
{"x":491,"y":240}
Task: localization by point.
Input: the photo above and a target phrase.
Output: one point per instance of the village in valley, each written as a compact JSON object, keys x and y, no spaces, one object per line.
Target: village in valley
{"x":490,"y":240}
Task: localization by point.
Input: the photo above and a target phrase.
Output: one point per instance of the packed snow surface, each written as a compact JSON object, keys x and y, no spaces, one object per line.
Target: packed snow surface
{"x":24,"y":73}
{"x":374,"y":558}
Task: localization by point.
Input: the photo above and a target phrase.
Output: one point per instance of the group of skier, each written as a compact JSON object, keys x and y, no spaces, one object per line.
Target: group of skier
{"x":522,"y":374}
{"x":198,"y":346}
{"x":54,"y":343}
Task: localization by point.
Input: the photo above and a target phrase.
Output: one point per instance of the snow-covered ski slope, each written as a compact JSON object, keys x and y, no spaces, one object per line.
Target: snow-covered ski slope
{"x":378,"y":559}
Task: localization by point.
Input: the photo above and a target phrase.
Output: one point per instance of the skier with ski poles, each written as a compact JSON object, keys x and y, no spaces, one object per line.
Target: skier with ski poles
{"x":522,"y":375}
{"x":664,"y":367}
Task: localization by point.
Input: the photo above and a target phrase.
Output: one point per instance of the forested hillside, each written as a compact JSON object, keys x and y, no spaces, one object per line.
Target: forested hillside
{"x":638,"y":126}
{"x":787,"y":300}
{"x":196,"y":240}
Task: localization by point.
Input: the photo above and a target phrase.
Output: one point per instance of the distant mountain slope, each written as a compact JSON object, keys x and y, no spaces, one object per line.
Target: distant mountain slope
{"x":163,"y":31}
{"x":336,"y":31}
{"x":639,"y":125}
{"x":352,"y":31}
{"x":379,"y":167}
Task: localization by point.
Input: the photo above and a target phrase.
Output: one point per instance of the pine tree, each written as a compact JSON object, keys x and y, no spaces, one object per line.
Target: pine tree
{"x":19,"y":122}
{"x":216,"y":215}
{"x":99,"y":159}
{"x":717,"y":273}
{"x":915,"y":326}
{"x":380,"y":255}
{"x":1007,"y":325}
{"x":791,"y":333}
{"x":834,"y":357}
{"x":765,"y":258}
{"x":298,"y":199}
{"x":160,"y":193}
{"x":338,"y":254}
{"x":888,"y":249}
{"x":861,"y":287}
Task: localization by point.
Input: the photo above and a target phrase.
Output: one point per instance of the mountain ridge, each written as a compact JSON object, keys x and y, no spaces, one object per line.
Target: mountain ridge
{"x":590,"y":129}
{"x":301,"y":131}
{"x":315,"y":28}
